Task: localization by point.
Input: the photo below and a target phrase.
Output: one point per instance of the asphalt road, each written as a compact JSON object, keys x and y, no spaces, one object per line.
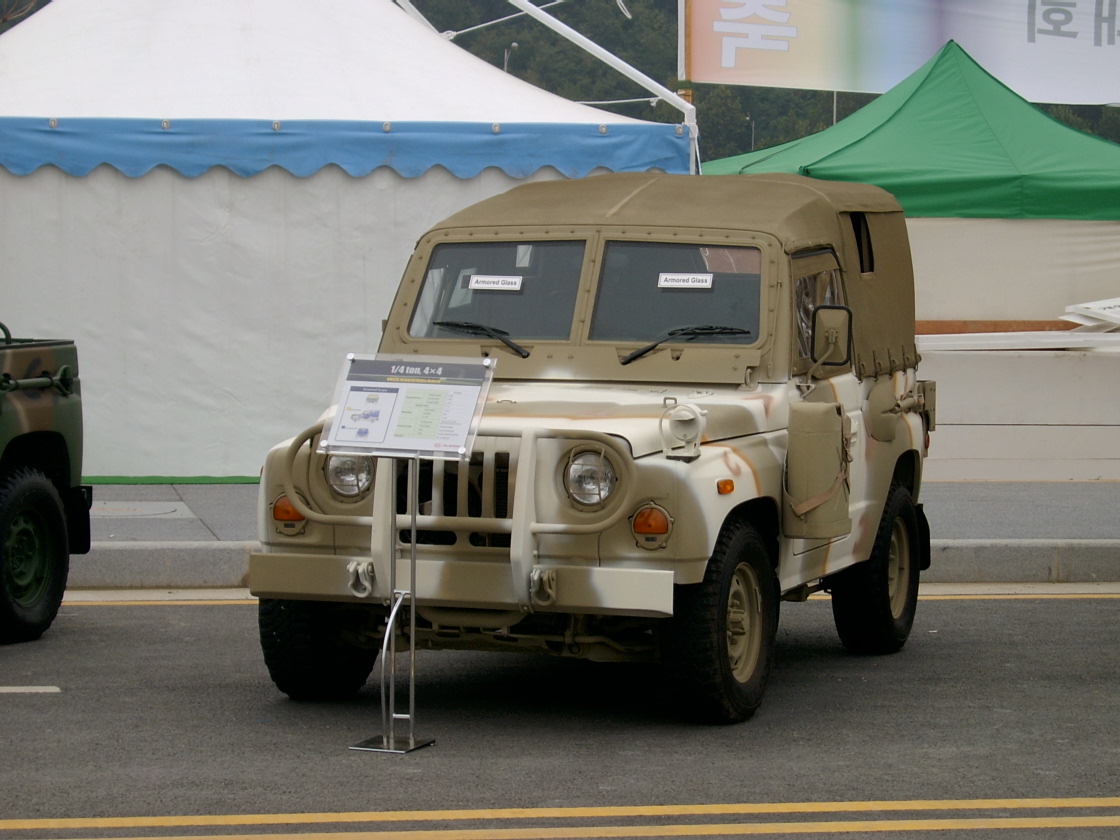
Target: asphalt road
{"x":165,"y":710}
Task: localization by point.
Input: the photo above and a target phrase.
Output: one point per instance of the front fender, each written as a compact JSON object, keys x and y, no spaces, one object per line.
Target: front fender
{"x":699,"y":496}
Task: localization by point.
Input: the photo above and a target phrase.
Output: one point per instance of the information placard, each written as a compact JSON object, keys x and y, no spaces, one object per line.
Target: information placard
{"x":398,"y":406}
{"x":1097,"y":311}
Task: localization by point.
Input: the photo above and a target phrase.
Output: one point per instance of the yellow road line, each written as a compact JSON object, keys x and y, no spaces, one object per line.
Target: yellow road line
{"x":690,"y":830}
{"x":242,"y":602}
{"x":169,"y":602}
{"x":739,"y":809}
{"x":1048,"y":596}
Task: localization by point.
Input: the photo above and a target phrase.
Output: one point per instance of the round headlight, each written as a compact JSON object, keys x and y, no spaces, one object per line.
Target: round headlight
{"x":590,"y":479}
{"x":349,"y":475}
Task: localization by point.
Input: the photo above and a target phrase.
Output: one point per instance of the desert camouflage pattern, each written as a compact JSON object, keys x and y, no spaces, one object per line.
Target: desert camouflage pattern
{"x":807,"y":451}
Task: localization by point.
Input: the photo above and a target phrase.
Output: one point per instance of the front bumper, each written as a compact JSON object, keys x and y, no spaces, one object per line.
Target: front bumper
{"x":494,"y":535}
{"x":465,"y":584}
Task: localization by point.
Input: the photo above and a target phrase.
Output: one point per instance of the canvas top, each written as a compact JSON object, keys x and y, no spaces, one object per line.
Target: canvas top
{"x":795,"y":209}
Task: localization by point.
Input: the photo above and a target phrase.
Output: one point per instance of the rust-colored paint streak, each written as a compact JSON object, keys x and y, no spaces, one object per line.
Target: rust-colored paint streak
{"x":734,"y":460}
{"x":956,"y":327}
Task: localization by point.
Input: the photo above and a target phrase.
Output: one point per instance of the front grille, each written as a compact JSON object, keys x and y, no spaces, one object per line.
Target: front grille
{"x":479,"y":489}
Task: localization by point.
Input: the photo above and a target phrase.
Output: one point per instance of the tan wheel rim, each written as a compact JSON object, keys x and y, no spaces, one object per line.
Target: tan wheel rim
{"x":898,"y":568}
{"x":744,"y":623}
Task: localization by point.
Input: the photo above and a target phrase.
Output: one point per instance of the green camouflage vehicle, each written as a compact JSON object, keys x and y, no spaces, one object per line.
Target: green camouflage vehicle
{"x":705,"y":402}
{"x":44,"y":508}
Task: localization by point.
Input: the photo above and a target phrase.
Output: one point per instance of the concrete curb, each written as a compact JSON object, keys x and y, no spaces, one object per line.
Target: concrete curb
{"x":224,"y":564}
{"x":1024,"y":561}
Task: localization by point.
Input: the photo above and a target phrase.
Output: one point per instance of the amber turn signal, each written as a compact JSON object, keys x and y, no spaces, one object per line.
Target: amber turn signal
{"x":651,"y":520}
{"x":284,"y":511}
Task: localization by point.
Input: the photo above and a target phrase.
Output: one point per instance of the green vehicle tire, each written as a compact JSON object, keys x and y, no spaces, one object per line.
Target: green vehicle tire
{"x":34,"y":555}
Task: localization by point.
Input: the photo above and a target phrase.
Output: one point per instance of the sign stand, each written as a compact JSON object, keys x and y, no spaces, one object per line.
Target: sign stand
{"x":406,"y":407}
{"x":388,"y":741}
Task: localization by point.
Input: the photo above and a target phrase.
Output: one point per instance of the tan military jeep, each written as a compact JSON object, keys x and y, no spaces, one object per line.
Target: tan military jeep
{"x":705,"y":402}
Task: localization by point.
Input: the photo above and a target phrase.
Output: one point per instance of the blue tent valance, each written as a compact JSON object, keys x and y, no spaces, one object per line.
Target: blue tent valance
{"x":303,"y":147}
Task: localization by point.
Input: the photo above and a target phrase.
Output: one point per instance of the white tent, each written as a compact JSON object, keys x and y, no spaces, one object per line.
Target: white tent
{"x":216,"y":200}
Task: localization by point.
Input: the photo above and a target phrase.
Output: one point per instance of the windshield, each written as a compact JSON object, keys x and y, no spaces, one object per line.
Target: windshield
{"x":652,"y":291}
{"x":503,"y":290}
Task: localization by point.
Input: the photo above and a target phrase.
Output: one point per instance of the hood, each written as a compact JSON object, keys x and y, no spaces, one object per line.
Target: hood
{"x":631,"y":412}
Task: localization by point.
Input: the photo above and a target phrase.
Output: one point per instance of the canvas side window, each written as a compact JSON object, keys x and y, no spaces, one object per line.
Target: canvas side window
{"x":817,"y":282}
{"x":864,"y":246}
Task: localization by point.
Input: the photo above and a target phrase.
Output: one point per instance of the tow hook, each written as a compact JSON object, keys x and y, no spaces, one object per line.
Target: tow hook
{"x":543,"y":586}
{"x":361,"y":578}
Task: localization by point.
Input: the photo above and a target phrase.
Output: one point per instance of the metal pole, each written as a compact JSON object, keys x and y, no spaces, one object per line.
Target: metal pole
{"x":388,"y":740}
{"x":414,"y":485}
{"x":632,"y":73}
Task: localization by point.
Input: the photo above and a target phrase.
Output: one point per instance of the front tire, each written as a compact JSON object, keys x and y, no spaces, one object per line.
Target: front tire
{"x":721,"y":637}
{"x":873,"y":603}
{"x":34,"y":555}
{"x":316,"y":650}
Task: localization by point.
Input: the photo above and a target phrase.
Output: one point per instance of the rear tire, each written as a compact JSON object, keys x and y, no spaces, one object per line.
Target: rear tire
{"x":721,"y":638}
{"x":873,"y":603}
{"x":316,"y":650}
{"x":34,"y":555}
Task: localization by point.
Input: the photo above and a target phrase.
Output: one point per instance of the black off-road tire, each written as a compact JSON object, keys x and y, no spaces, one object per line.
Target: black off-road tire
{"x":34,"y":555}
{"x":873,"y":603}
{"x":316,"y":650}
{"x":720,"y":642}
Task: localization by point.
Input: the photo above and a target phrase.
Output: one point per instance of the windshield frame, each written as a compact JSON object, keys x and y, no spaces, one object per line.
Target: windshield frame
{"x":578,"y":357}
{"x":491,"y":283}
{"x":691,"y":330}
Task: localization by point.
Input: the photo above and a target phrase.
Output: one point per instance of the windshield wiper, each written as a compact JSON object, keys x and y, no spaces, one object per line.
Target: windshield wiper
{"x":482,"y":329}
{"x":688,"y":333}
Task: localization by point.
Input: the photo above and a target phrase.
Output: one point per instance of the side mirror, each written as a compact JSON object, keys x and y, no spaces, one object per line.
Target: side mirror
{"x":832,"y":336}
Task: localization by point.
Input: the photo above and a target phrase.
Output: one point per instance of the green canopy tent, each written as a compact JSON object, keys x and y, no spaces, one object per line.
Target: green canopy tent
{"x":1012,"y":216}
{"x":951,"y":140}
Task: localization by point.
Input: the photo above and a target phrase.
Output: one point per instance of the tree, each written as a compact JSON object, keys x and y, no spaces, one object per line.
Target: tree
{"x":1109,"y":125}
{"x":13,"y":11}
{"x":647,"y":41}
{"x":1102,"y":120}
{"x":725,"y":128}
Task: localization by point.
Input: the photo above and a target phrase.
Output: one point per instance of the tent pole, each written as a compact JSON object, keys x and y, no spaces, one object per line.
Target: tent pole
{"x":632,"y":73}
{"x":415,"y":13}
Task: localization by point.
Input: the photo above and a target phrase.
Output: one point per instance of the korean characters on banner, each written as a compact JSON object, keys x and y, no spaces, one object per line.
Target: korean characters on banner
{"x":1060,"y":19}
{"x":1045,"y":50}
